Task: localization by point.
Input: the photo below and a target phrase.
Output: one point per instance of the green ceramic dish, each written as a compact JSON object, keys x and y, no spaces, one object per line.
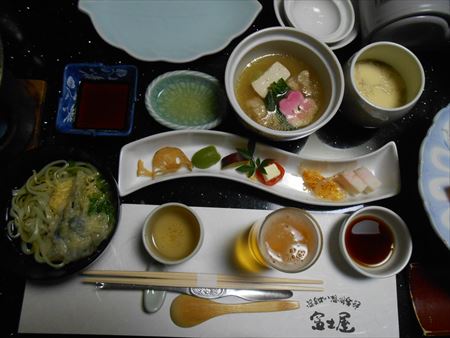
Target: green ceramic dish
{"x":186,"y":100}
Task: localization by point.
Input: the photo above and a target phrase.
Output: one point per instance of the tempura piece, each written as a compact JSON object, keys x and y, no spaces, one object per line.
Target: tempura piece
{"x":168,"y":160}
{"x":306,"y":84}
{"x":322,"y":187}
{"x":258,"y":107}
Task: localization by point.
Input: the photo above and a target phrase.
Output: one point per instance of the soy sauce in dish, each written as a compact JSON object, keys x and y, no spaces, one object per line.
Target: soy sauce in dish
{"x":369,"y":240}
{"x":102,"y":105}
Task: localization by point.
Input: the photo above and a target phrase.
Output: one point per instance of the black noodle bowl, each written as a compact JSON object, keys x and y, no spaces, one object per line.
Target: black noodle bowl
{"x":17,"y":172}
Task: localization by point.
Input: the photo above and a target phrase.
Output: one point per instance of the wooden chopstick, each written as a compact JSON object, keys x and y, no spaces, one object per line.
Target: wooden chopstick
{"x":195,"y":283}
{"x":199,"y":276}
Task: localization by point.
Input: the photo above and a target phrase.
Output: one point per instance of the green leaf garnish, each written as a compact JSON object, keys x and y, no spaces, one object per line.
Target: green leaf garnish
{"x":245,"y":153}
{"x":254,"y":164}
{"x":283,"y":121}
{"x":275,"y":93}
{"x":248,"y":169}
{"x":266,"y":162}
{"x":248,"y":153}
{"x":279,"y":89}
{"x":270,"y":101}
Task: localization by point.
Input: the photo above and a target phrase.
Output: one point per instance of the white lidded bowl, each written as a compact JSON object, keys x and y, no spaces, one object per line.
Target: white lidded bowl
{"x":291,"y":41}
{"x":330,"y":21}
{"x":402,"y":243}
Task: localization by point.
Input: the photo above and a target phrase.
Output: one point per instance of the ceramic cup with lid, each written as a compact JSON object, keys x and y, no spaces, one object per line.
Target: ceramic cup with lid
{"x":412,"y":23}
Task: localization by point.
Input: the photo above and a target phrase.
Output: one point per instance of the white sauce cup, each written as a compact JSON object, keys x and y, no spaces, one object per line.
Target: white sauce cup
{"x":189,"y":215}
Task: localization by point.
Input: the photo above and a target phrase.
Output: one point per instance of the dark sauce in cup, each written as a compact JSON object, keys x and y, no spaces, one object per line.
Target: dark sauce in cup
{"x":369,"y":240}
{"x":103,"y":105}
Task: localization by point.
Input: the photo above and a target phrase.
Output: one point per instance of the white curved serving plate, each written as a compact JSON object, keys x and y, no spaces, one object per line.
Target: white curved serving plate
{"x":175,"y":30}
{"x":382,"y":162}
{"x":434,"y":174}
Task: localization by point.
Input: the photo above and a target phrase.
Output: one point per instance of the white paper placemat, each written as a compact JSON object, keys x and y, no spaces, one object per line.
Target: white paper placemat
{"x":350,"y":305}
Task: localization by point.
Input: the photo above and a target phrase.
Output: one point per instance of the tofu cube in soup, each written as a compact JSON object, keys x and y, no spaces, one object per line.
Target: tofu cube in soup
{"x":273,"y":74}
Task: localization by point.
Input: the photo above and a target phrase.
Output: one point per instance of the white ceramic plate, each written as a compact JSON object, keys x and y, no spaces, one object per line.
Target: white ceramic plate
{"x":382,"y":162}
{"x":283,"y":21}
{"x":434,"y":174}
{"x":175,"y":30}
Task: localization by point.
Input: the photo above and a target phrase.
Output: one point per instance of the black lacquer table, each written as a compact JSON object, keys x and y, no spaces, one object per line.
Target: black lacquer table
{"x":41,"y":37}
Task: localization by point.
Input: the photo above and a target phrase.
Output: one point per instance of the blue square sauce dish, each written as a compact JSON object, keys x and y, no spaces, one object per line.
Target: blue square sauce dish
{"x":97,"y":99}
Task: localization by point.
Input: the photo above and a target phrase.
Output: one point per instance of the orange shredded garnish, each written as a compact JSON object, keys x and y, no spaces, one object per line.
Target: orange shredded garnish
{"x":322,"y":187}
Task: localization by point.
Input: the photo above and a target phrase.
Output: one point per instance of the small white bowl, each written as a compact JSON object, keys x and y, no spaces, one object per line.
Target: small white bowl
{"x":177,"y":232}
{"x":286,"y":40}
{"x":330,"y":21}
{"x":401,"y":240}
{"x":186,"y":99}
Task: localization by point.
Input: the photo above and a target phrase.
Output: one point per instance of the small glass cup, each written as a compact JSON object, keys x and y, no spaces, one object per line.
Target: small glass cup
{"x":288,"y":240}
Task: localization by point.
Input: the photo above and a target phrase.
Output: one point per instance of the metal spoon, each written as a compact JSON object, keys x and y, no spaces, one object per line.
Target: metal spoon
{"x":152,"y":300}
{"x":206,"y":293}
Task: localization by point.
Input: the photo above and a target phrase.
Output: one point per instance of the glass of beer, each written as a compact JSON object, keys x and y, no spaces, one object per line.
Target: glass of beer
{"x":288,"y":239}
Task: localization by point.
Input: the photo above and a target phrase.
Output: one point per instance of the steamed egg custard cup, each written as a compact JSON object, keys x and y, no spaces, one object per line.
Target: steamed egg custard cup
{"x":375,"y":242}
{"x":287,"y":41}
{"x":364,"y":112}
{"x":172,"y":233}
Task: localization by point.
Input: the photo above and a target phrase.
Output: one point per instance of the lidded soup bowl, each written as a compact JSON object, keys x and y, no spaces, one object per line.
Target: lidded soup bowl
{"x":308,"y":50}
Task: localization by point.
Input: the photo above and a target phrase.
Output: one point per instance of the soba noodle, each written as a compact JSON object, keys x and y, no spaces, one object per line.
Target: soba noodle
{"x":62,"y":213}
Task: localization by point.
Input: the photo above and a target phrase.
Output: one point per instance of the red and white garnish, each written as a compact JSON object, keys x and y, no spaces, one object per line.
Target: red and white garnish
{"x":298,"y":110}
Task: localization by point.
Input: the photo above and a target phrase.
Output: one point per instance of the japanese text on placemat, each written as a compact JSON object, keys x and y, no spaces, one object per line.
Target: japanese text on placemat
{"x":341,"y":322}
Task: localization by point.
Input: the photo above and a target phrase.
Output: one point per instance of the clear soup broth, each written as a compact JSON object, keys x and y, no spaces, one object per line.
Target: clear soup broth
{"x":174,"y":233}
{"x":302,"y":78}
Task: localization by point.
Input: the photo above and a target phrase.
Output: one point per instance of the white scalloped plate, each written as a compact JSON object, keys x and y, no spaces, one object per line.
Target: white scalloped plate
{"x":382,"y":162}
{"x":175,"y":30}
{"x":434,"y":174}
